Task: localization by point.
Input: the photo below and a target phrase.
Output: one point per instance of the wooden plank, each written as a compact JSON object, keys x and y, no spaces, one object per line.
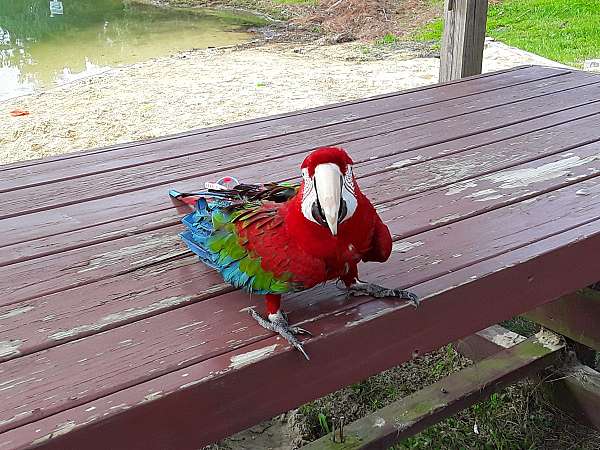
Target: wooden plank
{"x":577,"y":391}
{"x":549,"y":133}
{"x":534,"y":274}
{"x":69,"y":315}
{"x":573,"y":387}
{"x":78,"y":267}
{"x":142,"y":350}
{"x":575,"y":316}
{"x":67,"y":192}
{"x":407,"y":217}
{"x":298,"y":119}
{"x":487,"y":342}
{"x":124,"y":206}
{"x":412,"y":414}
{"x":463,"y":38}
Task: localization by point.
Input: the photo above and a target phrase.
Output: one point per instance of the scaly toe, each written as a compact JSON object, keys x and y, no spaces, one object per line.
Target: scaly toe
{"x":298,"y":330}
{"x":409,"y":296}
{"x":278,"y":324}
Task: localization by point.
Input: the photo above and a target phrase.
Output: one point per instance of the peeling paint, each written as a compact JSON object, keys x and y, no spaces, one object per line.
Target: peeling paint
{"x":118,"y":317}
{"x":61,"y":429}
{"x":459,"y":187}
{"x":517,"y":178}
{"x":490,"y":198}
{"x":482,"y":193}
{"x":405,"y":246}
{"x":16,"y":417}
{"x":15,"y":383}
{"x":120,"y":406}
{"x":244,"y":359}
{"x":405,"y":162}
{"x":193,"y":324}
{"x":16,"y":312}
{"x":10,"y":348}
{"x":152,"y":396}
{"x":149,"y":246}
{"x":195,"y":382}
{"x":501,"y":336}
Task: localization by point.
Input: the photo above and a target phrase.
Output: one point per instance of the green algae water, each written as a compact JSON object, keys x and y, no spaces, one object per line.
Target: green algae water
{"x":44,"y":43}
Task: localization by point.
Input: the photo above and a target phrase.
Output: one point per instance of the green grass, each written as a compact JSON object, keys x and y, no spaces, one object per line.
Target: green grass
{"x":521,"y":416}
{"x":388,"y":39}
{"x":567,"y":31}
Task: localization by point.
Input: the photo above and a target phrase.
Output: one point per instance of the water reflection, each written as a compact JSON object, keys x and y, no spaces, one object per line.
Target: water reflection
{"x":38,"y":49}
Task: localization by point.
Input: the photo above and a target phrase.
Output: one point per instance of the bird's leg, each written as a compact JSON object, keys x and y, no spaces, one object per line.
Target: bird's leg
{"x":374,"y":290}
{"x":277,"y":322}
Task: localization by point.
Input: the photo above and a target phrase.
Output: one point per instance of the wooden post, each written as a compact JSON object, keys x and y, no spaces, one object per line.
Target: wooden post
{"x":464,"y":36}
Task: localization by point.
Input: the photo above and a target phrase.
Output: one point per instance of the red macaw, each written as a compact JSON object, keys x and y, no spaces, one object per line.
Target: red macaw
{"x":277,"y":238}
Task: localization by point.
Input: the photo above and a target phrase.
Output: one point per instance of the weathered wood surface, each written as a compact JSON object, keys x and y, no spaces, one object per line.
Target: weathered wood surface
{"x":575,"y":316}
{"x":463,"y":38}
{"x":412,"y":414}
{"x":107,"y":322}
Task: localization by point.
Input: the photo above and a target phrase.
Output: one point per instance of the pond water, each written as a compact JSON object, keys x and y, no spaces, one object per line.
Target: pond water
{"x":40,"y":47}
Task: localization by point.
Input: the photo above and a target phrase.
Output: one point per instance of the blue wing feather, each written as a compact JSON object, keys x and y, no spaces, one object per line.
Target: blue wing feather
{"x":201,"y":227}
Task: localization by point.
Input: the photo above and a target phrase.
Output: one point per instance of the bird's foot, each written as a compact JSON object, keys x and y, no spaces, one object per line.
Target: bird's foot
{"x":278,"y":323}
{"x":377,"y":291}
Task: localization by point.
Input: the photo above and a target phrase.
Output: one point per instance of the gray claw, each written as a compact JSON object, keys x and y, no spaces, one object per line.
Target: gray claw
{"x":409,"y":296}
{"x":298,"y":330}
{"x":282,"y":328}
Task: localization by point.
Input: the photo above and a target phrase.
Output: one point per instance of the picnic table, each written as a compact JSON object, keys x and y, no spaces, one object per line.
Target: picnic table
{"x":112,"y":335}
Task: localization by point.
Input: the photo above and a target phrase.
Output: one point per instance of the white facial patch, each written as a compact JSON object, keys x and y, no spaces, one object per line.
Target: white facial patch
{"x":309,"y":194}
{"x":348,"y":193}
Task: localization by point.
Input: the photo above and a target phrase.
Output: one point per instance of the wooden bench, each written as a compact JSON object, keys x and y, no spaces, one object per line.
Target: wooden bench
{"x":112,"y":335}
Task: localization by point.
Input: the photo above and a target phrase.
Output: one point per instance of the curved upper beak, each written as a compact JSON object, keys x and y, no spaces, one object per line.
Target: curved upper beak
{"x":328,"y":183}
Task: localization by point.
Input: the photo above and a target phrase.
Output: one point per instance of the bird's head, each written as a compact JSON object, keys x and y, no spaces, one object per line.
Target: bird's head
{"x":329,"y":188}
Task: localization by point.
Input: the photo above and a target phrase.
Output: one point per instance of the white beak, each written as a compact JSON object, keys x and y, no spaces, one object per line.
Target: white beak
{"x":328,"y":183}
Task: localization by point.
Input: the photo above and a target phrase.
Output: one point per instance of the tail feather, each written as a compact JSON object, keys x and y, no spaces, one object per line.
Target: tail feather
{"x":205,"y":256}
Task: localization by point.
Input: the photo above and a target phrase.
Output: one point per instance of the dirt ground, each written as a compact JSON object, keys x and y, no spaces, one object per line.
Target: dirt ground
{"x":355,"y":19}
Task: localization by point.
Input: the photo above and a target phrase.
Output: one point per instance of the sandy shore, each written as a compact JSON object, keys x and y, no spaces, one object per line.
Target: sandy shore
{"x":211,"y":87}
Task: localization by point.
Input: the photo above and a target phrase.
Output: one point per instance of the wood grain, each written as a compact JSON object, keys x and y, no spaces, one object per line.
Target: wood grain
{"x":112,"y":335}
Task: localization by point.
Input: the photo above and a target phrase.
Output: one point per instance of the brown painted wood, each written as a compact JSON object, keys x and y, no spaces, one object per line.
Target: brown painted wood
{"x":406,"y":217}
{"x":145,"y":342}
{"x":122,"y":257}
{"x":554,"y":130}
{"x":293,"y":121}
{"x":75,"y":313}
{"x":125,"y":206}
{"x":412,"y":414}
{"x":62,"y":193}
{"x":123,"y":336}
{"x":532,"y":273}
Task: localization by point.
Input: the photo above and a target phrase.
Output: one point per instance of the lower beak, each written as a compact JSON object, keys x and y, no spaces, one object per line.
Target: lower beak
{"x":328,"y":182}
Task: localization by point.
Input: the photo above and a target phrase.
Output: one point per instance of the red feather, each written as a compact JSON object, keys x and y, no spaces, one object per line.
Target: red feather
{"x":307,"y":251}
